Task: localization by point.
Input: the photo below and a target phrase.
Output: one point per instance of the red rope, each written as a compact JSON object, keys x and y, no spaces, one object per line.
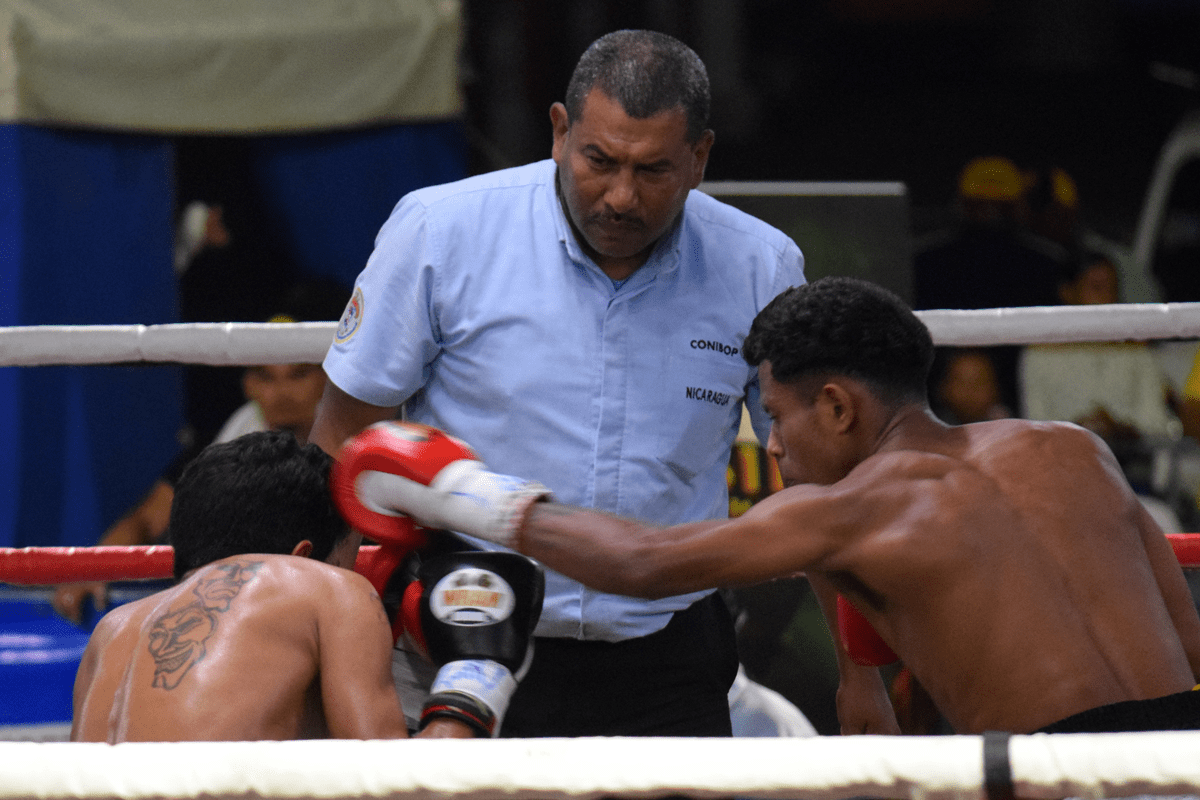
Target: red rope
{"x":1187,"y":548}
{"x":33,"y":566}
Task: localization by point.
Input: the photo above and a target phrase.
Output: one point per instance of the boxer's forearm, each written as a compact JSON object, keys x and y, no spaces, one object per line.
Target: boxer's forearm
{"x":438,"y":481}
{"x":613,"y":554}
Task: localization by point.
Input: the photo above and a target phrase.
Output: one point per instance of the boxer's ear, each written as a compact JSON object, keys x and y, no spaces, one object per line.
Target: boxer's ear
{"x":838,"y":407}
{"x":303,"y":548}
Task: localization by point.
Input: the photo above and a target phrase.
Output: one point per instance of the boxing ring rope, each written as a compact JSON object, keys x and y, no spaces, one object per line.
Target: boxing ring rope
{"x":36,"y":566}
{"x":210,"y":343}
{"x":44,"y":566}
{"x":41,"y":566}
{"x":818,"y":768}
{"x":922,"y":768}
{"x":244,"y":343}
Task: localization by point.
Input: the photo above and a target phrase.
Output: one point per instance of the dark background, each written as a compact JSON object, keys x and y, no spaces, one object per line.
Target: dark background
{"x":841,"y":90}
{"x":893,"y":90}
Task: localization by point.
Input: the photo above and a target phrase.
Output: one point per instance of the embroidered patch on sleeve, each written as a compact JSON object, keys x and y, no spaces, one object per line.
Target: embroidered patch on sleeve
{"x":351,"y":318}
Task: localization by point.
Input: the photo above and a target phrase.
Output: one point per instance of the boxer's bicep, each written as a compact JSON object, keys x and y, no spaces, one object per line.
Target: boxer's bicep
{"x":1173,"y":586}
{"x":355,"y":642}
{"x":83,"y":682}
{"x":83,"y":704}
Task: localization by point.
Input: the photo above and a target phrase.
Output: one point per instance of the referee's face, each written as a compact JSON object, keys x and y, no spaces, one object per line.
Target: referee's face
{"x":624,"y":180}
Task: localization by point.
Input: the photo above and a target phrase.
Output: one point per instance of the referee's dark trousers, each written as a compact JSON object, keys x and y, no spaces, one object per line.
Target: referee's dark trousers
{"x":671,"y":683}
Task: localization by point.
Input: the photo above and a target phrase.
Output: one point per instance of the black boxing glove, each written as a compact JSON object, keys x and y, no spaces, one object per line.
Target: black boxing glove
{"x":477,"y":612}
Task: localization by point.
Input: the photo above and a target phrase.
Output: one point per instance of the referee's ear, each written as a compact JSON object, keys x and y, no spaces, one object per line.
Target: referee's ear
{"x":303,"y":548}
{"x":700,"y":151}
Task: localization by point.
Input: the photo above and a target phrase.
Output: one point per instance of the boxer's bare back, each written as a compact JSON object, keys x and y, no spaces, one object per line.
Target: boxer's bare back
{"x":246,"y":648}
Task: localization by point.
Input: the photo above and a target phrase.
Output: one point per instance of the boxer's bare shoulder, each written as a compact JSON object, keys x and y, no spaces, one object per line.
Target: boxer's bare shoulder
{"x":283,"y":591}
{"x":1005,"y":463}
{"x":1033,"y":442}
{"x":101,"y":669}
{"x":1038,"y":464}
{"x":929,"y":489}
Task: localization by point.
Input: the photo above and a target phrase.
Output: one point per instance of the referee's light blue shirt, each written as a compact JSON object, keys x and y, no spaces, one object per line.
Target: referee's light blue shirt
{"x":479,"y":311}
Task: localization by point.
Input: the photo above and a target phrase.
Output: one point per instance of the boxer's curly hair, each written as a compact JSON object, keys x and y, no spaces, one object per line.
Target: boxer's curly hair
{"x":259,"y":493}
{"x":844,"y":326}
{"x":647,"y":72}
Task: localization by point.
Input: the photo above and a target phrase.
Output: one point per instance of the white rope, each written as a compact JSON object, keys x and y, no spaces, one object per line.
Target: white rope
{"x":816,"y":768}
{"x":1046,"y":324}
{"x":212,"y":343}
{"x":922,"y":768}
{"x":243,"y":343}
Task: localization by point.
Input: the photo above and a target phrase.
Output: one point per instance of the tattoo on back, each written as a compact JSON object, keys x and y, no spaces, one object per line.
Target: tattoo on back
{"x":179,"y":637}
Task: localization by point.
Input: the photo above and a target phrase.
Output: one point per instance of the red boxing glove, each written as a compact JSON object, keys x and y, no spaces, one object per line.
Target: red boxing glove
{"x":391,"y":570}
{"x":384,"y":448}
{"x":859,"y":639}
{"x":395,"y":470}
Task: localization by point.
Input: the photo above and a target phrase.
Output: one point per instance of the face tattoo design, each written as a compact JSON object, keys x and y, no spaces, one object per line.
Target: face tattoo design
{"x":179,"y":637}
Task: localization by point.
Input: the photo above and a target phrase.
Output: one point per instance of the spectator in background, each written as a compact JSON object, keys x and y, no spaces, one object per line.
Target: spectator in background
{"x":1056,"y":214}
{"x":285,"y":396}
{"x":277,"y":397}
{"x":1115,"y":389}
{"x":964,"y":387}
{"x":1054,"y":208}
{"x":1053,"y":202}
{"x":989,"y":258}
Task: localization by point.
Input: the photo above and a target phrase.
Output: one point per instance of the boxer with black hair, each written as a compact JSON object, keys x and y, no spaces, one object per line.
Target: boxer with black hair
{"x":1007,"y":563}
{"x":270,"y":634}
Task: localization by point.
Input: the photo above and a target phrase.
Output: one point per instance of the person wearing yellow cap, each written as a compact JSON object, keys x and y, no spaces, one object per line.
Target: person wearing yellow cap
{"x":989,"y":258}
{"x":991,"y":178}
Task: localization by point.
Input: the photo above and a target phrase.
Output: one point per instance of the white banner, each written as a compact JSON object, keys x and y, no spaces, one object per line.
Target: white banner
{"x":228,"y":66}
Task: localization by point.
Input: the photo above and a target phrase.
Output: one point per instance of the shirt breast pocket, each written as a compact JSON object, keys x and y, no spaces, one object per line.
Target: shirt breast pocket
{"x":699,"y":410}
